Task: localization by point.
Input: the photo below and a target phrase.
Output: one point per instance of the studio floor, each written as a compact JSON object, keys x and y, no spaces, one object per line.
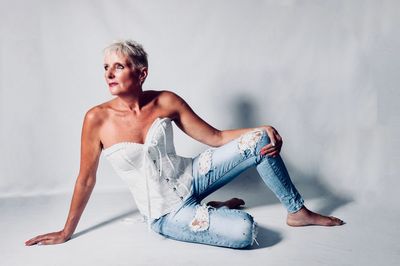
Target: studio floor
{"x":112,"y":232}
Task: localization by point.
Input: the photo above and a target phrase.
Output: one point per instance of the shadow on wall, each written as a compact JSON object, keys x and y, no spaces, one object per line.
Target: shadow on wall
{"x":243,"y":112}
{"x":250,"y":187}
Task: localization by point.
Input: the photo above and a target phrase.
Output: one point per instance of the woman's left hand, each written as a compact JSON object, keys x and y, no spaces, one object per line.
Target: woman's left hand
{"x":274,"y":147}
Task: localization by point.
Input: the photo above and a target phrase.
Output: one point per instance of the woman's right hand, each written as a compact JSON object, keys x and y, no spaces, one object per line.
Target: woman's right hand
{"x":48,"y":239}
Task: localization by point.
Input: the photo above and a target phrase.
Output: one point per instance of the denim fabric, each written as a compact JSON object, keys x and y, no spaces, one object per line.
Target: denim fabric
{"x":213,"y":169}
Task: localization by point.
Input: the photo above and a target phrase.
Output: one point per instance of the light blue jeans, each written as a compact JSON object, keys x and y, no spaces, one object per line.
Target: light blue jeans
{"x":212,"y":169}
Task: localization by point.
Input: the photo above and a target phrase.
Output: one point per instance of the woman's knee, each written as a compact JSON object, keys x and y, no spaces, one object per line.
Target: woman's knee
{"x":244,"y":231}
{"x":253,"y":141}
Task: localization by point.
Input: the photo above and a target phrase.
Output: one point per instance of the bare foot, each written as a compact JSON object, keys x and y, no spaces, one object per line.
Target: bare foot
{"x":305,"y":217}
{"x":233,"y":203}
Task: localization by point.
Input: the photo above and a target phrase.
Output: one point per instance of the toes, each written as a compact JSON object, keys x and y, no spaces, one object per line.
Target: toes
{"x":215,"y":204}
{"x":237,"y":201}
{"x":336,"y":221}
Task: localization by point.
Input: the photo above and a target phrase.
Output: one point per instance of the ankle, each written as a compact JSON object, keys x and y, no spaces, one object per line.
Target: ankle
{"x":302,"y":211}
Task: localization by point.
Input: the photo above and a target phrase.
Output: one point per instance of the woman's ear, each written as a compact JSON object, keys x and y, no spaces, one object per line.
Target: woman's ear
{"x":143,"y":74}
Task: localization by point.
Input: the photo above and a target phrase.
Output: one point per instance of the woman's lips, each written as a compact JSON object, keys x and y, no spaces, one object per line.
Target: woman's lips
{"x":112,"y":84}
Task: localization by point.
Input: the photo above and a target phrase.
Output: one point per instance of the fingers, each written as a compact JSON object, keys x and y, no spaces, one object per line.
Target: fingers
{"x":41,"y":240}
{"x":267,"y":149}
{"x":274,"y":147}
{"x":270,"y":150}
{"x":47,"y":239}
{"x":279,"y":138}
{"x":271,"y":135}
{"x":37,"y":240}
{"x":33,"y":241}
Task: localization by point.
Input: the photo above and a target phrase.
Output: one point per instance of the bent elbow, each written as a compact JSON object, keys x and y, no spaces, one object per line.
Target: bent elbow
{"x":217,"y":139}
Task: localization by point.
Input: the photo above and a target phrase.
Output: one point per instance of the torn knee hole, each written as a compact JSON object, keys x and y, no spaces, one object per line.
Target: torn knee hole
{"x":201,"y":219}
{"x":249,"y":140}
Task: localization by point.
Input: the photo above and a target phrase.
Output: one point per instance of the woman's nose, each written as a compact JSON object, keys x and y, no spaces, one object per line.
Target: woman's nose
{"x":110,"y":74}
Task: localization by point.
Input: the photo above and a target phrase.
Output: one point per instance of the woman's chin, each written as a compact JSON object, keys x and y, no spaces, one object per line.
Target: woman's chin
{"x":114,"y":91}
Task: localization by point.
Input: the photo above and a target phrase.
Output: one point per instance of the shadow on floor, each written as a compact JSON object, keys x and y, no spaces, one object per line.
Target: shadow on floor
{"x":104,"y":223}
{"x":266,"y":238}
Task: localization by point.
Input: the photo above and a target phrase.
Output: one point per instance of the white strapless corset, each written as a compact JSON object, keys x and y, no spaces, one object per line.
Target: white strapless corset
{"x":158,"y":178}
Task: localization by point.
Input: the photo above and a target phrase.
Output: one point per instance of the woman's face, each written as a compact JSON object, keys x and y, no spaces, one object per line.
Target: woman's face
{"x":120,"y":75}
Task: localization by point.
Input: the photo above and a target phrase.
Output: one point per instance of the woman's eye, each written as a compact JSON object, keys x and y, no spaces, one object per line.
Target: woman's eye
{"x":120,"y":66}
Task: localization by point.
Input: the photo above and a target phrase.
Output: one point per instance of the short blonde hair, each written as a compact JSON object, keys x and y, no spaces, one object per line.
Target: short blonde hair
{"x":133,"y":50}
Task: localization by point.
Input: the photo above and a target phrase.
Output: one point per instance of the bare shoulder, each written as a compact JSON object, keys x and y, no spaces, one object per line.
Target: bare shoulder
{"x":169,"y":98}
{"x":171,"y":103}
{"x":96,"y":115}
{"x":93,"y":123}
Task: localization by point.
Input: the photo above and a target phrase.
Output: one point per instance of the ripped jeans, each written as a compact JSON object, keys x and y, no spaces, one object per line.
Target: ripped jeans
{"x":212,"y":169}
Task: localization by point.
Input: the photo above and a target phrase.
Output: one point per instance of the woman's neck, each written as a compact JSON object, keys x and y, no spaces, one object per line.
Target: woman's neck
{"x":132,"y":101}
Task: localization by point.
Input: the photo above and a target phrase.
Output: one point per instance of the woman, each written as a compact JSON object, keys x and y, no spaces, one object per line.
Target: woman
{"x":135,"y":133}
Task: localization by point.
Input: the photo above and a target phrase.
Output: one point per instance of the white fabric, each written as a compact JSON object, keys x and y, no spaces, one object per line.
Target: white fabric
{"x":158,"y":178}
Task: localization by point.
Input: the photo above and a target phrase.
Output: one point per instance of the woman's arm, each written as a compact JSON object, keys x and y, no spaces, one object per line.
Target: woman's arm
{"x":85,"y":182}
{"x":190,"y":123}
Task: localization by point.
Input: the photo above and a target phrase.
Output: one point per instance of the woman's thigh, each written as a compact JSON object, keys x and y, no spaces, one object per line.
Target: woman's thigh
{"x":202,"y":224}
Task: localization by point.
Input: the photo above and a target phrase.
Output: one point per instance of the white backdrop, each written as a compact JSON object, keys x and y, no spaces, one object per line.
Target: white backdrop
{"x":324,"y":73}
